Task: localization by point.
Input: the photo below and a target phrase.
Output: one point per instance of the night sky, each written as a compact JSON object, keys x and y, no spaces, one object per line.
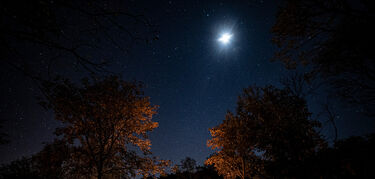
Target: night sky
{"x":187,"y":72}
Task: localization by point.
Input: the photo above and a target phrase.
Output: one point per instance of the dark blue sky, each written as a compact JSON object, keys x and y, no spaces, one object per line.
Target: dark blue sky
{"x":186,"y":72}
{"x":193,"y":78}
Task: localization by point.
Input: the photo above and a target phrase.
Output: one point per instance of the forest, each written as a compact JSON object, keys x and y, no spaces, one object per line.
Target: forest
{"x":105,"y":125}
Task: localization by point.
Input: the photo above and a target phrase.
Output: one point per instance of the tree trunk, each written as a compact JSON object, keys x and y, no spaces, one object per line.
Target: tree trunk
{"x":243,"y":168}
{"x":99,"y":174}
{"x":99,"y":170}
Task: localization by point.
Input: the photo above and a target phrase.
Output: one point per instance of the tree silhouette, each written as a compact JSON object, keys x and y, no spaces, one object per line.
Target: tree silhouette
{"x":51,"y":159}
{"x":3,"y":136}
{"x":353,"y":157}
{"x":47,"y":163}
{"x":270,"y":134}
{"x":43,"y":39}
{"x":334,"y":38}
{"x":185,"y":169}
{"x":347,"y":158}
{"x":102,"y":117}
{"x":188,"y":164}
{"x":68,"y":33}
{"x":206,"y":171}
{"x":20,"y":169}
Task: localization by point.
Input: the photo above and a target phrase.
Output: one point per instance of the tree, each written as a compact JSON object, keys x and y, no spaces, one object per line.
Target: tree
{"x":43,"y":39}
{"x":270,"y":134}
{"x":20,"y":169}
{"x":235,"y":155}
{"x":347,"y":158}
{"x":299,"y":85}
{"x":3,"y":136}
{"x":38,"y":36}
{"x":353,"y":157}
{"x":47,"y":163}
{"x":334,"y":38}
{"x":102,"y":117}
{"x":51,"y":159}
{"x":185,"y":169}
{"x":188,"y":164}
{"x":206,"y":171}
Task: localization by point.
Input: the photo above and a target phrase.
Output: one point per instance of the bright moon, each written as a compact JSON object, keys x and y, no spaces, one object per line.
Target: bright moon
{"x":225,"y":38}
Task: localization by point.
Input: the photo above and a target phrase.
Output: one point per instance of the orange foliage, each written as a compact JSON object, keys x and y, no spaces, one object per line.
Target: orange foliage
{"x":101,"y":119}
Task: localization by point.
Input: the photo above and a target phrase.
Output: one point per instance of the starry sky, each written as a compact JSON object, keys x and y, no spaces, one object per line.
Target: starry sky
{"x":193,"y":78}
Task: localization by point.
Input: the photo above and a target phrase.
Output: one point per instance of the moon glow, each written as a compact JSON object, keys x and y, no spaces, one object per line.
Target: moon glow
{"x":225,"y":38}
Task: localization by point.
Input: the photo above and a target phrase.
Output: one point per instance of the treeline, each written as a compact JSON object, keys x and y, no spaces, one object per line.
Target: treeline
{"x":347,"y":158}
{"x":270,"y":135}
{"x":105,"y":129}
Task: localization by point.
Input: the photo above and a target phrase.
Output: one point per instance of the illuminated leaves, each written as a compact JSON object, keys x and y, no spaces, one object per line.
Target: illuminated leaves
{"x":101,"y":119}
{"x":270,"y":126}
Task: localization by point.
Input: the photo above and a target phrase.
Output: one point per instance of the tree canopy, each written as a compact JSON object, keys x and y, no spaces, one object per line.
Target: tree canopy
{"x":101,"y":118}
{"x":271,"y":130}
{"x":334,"y":39}
{"x":40,"y":37}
